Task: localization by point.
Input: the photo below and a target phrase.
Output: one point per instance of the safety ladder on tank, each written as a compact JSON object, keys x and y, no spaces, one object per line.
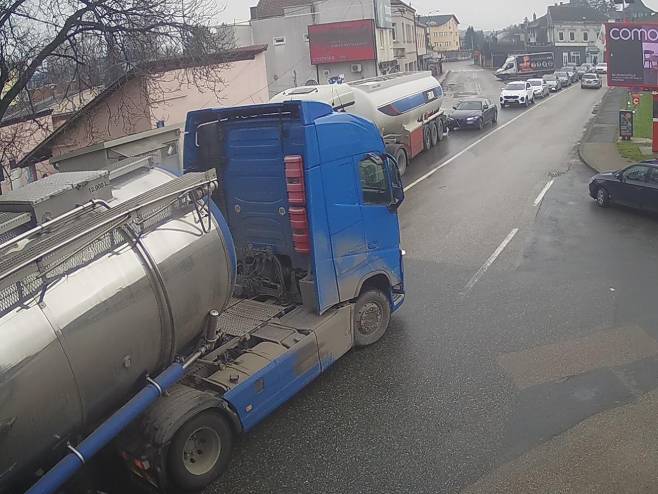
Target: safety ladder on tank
{"x":32,"y":260}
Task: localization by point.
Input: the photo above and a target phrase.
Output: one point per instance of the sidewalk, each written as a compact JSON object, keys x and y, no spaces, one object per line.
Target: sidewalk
{"x":598,"y":148}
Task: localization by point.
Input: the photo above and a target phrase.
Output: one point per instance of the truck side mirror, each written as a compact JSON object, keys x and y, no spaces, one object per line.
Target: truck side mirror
{"x":395,"y":182}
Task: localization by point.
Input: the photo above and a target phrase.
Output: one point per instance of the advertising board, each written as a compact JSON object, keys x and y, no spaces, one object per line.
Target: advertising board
{"x":632,"y":55}
{"x":350,"y":41}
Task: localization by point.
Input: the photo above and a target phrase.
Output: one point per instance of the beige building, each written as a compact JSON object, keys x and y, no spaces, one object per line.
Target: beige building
{"x":142,"y":102}
{"x":443,"y":32}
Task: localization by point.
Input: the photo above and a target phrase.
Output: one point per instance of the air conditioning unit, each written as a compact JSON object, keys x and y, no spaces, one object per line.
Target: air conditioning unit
{"x":356,"y":68}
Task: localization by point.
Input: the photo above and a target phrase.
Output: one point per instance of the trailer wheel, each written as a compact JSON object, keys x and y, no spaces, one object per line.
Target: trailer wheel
{"x":372,"y":314}
{"x":401,"y":158}
{"x":427,"y":137}
{"x":439,"y":128}
{"x":434,"y":132}
{"x":200,"y":451}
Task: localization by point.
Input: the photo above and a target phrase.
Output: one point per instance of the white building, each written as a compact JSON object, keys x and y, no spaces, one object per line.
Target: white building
{"x":405,"y":47}
{"x":284,"y":26}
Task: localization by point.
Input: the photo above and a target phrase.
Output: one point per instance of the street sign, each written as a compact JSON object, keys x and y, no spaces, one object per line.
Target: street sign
{"x":625,"y":124}
{"x":636,"y":99}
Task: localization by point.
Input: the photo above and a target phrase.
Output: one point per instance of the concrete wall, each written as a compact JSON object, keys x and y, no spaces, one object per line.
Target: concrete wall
{"x":244,"y":82}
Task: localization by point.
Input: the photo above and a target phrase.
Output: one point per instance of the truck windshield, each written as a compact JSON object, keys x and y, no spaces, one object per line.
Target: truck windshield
{"x":515,"y":86}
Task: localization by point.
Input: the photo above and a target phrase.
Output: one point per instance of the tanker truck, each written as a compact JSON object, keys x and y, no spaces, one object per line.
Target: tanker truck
{"x":406,"y":107}
{"x":157,"y":317}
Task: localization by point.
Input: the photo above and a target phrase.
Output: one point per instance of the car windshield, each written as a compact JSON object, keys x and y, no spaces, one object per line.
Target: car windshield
{"x":590,"y":77}
{"x":535,"y":82}
{"x":561,"y":74}
{"x":515,"y":86}
{"x":469,"y":105}
{"x":550,"y":78}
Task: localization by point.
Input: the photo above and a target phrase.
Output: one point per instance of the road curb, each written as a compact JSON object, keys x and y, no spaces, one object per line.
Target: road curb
{"x":443,"y":76}
{"x":588,"y":130}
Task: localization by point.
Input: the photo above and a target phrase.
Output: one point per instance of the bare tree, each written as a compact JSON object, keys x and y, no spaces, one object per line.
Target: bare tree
{"x":83,"y":44}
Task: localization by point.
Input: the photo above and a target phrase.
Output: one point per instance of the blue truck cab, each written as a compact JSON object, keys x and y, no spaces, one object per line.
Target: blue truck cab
{"x":310,"y":198}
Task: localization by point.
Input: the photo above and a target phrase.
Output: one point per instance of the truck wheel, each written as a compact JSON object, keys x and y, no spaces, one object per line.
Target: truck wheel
{"x":439,"y":128}
{"x":401,"y":158}
{"x":434,"y":133}
{"x":372,"y":313}
{"x":200,"y":451}
{"x":427,"y":137}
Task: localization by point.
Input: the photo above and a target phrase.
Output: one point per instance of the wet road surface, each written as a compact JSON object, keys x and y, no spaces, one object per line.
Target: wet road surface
{"x":527,"y":349}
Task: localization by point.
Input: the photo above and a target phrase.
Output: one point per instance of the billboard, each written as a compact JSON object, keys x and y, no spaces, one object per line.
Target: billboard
{"x":531,"y":63}
{"x":632,"y":55}
{"x":383,"y":14}
{"x":350,"y":41}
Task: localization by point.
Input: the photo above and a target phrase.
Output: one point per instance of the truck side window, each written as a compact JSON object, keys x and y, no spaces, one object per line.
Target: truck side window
{"x":373,"y":180}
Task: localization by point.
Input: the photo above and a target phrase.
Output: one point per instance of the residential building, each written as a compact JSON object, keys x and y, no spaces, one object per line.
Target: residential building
{"x":574,"y":31}
{"x":284,"y":26}
{"x":422,"y":33}
{"x":636,"y":11}
{"x":158,"y":94}
{"x":443,"y":32}
{"x":404,"y":36}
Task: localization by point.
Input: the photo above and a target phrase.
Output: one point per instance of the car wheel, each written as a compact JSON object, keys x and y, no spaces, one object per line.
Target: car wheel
{"x":527,"y":103}
{"x":602,"y":198}
{"x":494,"y":120}
{"x":481,"y":124}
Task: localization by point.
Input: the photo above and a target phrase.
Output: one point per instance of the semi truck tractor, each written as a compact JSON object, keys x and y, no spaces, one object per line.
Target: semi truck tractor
{"x":157,"y":317}
{"x":526,"y":65}
{"x":405,"y":107}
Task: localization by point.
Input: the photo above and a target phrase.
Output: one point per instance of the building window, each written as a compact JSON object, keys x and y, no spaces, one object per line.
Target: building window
{"x":394,"y":32}
{"x":585,"y":36}
{"x":572,"y":36}
{"x":279,"y":40}
{"x":560,"y":36}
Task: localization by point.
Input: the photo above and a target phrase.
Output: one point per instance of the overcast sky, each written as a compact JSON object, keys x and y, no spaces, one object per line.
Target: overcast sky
{"x":484,"y":14}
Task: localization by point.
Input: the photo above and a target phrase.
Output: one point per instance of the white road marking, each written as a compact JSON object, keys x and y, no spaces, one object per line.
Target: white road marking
{"x":543,"y":192}
{"x":483,"y":138}
{"x":476,"y":277}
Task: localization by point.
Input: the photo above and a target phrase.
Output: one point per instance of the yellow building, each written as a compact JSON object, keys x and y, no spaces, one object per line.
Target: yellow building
{"x":443,"y":32}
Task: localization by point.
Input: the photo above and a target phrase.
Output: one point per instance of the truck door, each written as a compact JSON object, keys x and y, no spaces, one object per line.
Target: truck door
{"x":379,"y":217}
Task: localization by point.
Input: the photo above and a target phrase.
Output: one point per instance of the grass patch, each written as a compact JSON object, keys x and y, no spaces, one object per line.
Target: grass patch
{"x":643,"y":118}
{"x":630,"y":151}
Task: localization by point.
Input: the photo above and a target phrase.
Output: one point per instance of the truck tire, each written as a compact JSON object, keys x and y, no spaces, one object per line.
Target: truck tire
{"x":427,"y":138}
{"x":434,"y":133}
{"x":401,"y":157}
{"x":200,"y":451}
{"x":439,"y":127}
{"x":372,"y":314}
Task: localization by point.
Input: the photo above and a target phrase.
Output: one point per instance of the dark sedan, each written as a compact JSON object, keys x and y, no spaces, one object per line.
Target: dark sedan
{"x":472,"y":112}
{"x":635,"y":186}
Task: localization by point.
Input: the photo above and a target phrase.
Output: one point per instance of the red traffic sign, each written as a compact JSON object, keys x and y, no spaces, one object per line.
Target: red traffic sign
{"x":636,"y":99}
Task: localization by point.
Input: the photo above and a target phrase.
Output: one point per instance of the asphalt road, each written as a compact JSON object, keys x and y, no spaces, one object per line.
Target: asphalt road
{"x":529,"y":331}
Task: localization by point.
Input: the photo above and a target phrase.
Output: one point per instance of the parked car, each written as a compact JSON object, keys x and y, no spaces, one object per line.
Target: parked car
{"x":564,"y":78}
{"x":540,"y":88}
{"x":517,"y":93}
{"x":554,"y":84}
{"x":591,"y":81}
{"x":472,"y":112}
{"x":601,"y":68}
{"x":635,"y":186}
{"x":583,"y":69}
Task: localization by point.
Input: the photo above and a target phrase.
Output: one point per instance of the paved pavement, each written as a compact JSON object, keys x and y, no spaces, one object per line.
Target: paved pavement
{"x":525,"y":358}
{"x":598,"y":148}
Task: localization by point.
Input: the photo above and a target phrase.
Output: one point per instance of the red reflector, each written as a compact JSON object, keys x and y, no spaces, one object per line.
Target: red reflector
{"x":298,"y":219}
{"x":295,"y":180}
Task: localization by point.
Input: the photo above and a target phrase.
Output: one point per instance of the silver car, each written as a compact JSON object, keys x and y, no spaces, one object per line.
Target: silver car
{"x":591,"y":81}
{"x":553,"y":83}
{"x":539,"y":87}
